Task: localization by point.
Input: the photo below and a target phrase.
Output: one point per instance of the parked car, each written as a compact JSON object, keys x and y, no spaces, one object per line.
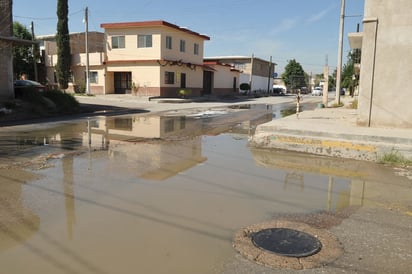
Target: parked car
{"x":317,"y":91}
{"x":22,"y":86}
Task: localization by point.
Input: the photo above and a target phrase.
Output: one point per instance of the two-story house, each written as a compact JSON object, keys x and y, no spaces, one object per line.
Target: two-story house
{"x":153,"y":58}
{"x":78,"y":54}
{"x":150,"y":58}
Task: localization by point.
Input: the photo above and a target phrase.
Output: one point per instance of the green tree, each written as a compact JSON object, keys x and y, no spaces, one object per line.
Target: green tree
{"x":294,"y":75}
{"x":23,"y":56}
{"x":348,"y":71}
{"x":63,"y":45}
{"x":332,"y":80}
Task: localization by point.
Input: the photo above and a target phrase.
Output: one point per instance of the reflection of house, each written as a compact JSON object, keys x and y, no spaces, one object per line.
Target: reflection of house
{"x":151,"y":159}
{"x":151,"y":127}
{"x":262,"y":71}
{"x":385,"y":69}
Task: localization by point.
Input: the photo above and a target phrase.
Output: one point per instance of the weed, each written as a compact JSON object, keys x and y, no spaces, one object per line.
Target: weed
{"x":335,"y":105}
{"x":354,"y":104}
{"x":395,"y":158}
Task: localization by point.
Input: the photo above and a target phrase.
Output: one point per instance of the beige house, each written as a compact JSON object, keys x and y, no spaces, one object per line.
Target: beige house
{"x":254,"y":71}
{"x":220,"y":79}
{"x":385,"y":65}
{"x":78,"y":53}
{"x":153,"y":58}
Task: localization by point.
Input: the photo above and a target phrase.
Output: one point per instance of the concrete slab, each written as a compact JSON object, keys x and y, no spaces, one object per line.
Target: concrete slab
{"x":333,"y":132}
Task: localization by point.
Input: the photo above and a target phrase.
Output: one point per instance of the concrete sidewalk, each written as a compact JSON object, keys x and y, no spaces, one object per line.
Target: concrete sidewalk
{"x":333,"y":132}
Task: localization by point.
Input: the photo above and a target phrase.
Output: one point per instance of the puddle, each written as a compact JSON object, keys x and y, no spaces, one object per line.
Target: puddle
{"x":161,"y":194}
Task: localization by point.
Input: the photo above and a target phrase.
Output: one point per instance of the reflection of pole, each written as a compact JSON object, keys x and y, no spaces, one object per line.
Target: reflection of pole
{"x":339,"y":66}
{"x":69,"y":195}
{"x":89,"y":133}
{"x":330,"y":190}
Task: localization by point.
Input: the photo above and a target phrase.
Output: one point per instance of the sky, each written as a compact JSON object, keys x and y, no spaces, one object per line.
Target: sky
{"x":304,"y":30}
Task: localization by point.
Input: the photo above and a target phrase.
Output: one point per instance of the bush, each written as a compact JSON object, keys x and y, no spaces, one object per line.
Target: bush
{"x":184,"y":92}
{"x":244,"y":87}
{"x":65,"y":102}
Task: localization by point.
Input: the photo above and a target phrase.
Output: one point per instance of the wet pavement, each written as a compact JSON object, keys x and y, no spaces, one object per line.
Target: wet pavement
{"x":150,"y":193}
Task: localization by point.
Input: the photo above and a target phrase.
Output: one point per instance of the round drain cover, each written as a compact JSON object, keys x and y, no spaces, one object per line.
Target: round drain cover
{"x":287,"y":242}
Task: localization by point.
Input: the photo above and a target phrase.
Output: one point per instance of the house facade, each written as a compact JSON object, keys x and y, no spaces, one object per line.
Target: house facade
{"x":220,"y":79}
{"x":153,"y":58}
{"x":385,"y":65}
{"x":254,"y":71}
{"x":96,"y":49}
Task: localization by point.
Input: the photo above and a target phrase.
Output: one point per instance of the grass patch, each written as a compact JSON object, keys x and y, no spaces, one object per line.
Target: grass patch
{"x":335,"y":105}
{"x":354,"y":104}
{"x":288,"y":112}
{"x":395,"y":158}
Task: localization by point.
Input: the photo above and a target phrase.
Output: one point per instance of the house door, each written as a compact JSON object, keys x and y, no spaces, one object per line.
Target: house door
{"x":207,"y":82}
{"x":182,"y":80}
{"x":122,"y":82}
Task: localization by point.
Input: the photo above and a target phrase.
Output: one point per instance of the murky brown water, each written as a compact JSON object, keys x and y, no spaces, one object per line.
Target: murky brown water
{"x":161,"y":194}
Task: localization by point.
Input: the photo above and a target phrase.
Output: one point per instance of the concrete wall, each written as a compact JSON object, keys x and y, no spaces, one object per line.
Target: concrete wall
{"x":385,"y":88}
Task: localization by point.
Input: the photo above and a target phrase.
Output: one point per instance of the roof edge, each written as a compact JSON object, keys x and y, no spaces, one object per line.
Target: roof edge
{"x":156,"y":23}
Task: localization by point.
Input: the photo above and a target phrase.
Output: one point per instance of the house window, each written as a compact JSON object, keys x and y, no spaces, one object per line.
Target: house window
{"x":169,"y":125}
{"x":144,"y":41}
{"x":118,"y":42}
{"x":182,"y":45}
{"x":93,"y":77}
{"x":169,"y":77}
{"x":169,"y":42}
{"x":196,"y":49}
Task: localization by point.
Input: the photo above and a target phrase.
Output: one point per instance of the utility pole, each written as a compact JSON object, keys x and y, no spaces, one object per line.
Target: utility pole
{"x":326,"y":85}
{"x":270,"y":74}
{"x":36,"y":78}
{"x":86,"y":21}
{"x":251,"y":72}
{"x":340,"y":46}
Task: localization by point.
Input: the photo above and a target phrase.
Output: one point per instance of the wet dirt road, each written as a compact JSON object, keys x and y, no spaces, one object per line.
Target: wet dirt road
{"x":164,"y":193}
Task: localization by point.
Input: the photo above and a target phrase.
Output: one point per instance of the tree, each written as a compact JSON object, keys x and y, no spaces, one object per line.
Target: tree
{"x":294,"y":75}
{"x":348,"y":71}
{"x":63,"y":45}
{"x":22,"y":54}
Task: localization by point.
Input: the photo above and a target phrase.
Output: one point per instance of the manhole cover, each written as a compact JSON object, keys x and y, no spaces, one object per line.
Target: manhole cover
{"x":287,"y":242}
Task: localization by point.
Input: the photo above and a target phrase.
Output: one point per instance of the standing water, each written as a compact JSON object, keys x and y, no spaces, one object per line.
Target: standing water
{"x":160,"y":193}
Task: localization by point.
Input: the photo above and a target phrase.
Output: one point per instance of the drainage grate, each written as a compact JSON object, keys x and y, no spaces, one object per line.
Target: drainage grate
{"x":287,"y":242}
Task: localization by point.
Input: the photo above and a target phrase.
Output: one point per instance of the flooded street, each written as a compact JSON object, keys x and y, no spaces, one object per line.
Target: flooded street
{"x":163,"y":193}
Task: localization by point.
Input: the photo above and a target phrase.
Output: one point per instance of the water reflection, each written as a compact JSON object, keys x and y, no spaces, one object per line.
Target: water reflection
{"x":17,"y":223}
{"x":367,"y":185}
{"x":165,"y":193}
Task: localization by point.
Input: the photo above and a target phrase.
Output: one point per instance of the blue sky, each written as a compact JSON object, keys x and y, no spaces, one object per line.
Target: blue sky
{"x":307,"y":31}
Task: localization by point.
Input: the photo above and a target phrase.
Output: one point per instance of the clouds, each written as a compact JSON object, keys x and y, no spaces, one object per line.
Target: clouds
{"x":285,"y":25}
{"x":318,"y":16}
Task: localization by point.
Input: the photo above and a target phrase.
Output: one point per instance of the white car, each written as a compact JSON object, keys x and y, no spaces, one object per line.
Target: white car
{"x":317,"y":91}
